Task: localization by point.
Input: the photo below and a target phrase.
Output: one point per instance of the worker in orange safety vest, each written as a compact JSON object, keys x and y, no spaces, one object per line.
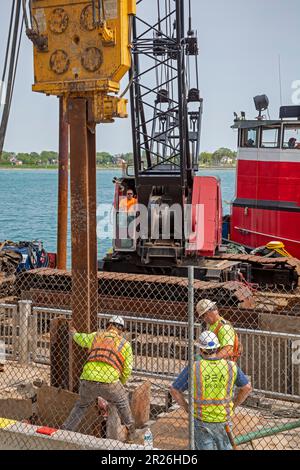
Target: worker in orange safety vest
{"x":107,"y":369}
{"x":127,"y":204}
{"x":230,"y":347}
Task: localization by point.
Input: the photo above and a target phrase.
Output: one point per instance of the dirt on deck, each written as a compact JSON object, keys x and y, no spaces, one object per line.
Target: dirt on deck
{"x":170,"y":431}
{"x":14,"y":376}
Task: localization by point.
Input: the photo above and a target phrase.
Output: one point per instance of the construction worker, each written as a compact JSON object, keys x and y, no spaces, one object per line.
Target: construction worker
{"x":108,"y":367}
{"x":126,"y":204}
{"x":230,"y":347}
{"x":214,"y":402}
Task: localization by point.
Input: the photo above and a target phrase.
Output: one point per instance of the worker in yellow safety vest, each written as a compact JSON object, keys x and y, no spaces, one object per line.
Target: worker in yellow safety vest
{"x":230,"y":347}
{"x":107,"y":369}
{"x":214,"y":402}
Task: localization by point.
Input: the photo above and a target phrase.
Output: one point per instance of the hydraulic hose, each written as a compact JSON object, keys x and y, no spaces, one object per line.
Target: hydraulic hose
{"x":265,"y":432}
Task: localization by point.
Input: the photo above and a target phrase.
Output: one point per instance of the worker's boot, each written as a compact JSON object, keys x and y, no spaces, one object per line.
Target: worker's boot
{"x":132,"y":434}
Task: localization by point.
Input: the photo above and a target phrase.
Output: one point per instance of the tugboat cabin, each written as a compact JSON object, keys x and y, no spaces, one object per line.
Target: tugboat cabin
{"x":267,"y":202}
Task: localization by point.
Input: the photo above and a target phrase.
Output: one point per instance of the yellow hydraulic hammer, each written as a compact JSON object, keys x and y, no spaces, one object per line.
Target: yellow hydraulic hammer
{"x":82,"y":49}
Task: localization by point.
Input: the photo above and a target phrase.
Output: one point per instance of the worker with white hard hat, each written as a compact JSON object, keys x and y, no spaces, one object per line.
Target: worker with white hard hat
{"x":107,"y":369}
{"x":214,"y":402}
{"x":230,"y":347}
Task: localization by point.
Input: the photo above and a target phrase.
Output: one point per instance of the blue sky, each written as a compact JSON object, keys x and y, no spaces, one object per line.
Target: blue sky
{"x":240,"y":41}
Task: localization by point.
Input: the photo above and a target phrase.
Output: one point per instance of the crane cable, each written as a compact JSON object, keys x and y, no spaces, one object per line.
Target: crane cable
{"x":16,"y":62}
{"x":8,"y":40}
{"x":14,"y":47}
{"x":25,"y":15}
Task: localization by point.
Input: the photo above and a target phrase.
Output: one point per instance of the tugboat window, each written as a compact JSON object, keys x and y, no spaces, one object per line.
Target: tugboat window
{"x":249,"y":138}
{"x":291,"y":139}
{"x":270,"y":138}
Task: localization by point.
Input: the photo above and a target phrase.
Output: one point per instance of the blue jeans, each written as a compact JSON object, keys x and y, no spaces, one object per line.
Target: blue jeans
{"x":211,"y":436}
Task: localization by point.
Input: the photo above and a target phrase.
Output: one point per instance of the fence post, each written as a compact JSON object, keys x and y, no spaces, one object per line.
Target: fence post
{"x":14,"y":335}
{"x":191,"y":355}
{"x":33,"y":343}
{"x":24,"y":314}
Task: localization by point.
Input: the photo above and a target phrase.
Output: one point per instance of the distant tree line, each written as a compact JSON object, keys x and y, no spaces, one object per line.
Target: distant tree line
{"x":50,"y":158}
{"x":106,"y":159}
{"x":221,"y":157}
{"x":46,"y":157}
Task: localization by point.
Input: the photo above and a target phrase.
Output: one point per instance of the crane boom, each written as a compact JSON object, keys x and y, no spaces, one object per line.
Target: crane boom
{"x":166,"y":112}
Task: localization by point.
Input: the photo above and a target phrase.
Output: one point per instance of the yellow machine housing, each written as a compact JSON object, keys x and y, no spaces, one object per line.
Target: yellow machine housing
{"x":87,"y":51}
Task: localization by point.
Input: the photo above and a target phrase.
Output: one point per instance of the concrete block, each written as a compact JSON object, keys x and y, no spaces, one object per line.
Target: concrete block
{"x":140,"y":404}
{"x":20,"y":436}
{"x":27,"y":390}
{"x":54,"y":406}
{"x":140,"y":399}
{"x":14,"y":408}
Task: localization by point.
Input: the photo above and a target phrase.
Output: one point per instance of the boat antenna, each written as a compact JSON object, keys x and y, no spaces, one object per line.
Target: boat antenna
{"x":280,"y":78}
{"x":190,"y":31}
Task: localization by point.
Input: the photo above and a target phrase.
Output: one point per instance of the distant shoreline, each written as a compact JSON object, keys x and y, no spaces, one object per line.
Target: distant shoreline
{"x":20,"y":168}
{"x":217,"y":168}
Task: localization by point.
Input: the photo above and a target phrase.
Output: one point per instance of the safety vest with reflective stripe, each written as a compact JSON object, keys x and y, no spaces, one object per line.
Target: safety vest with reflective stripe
{"x":213,"y":390}
{"x":237,"y":347}
{"x":107,"y":347}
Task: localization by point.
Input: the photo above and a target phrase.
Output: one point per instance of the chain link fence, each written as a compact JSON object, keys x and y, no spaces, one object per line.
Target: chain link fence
{"x":125,"y":388}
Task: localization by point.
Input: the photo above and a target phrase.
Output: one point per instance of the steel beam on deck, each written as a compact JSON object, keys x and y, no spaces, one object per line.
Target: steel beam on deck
{"x":83,"y":227}
{"x":63,"y":187}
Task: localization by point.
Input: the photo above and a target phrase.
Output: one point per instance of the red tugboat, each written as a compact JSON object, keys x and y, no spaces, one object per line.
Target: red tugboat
{"x":267,"y":202}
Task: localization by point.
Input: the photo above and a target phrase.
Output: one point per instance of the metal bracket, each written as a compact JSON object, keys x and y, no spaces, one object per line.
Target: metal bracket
{"x":107,"y":35}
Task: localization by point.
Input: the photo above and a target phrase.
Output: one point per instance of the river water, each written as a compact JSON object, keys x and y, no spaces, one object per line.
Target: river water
{"x":28,"y":203}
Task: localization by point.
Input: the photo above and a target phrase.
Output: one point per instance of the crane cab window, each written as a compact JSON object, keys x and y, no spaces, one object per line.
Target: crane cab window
{"x":270,"y":137}
{"x":249,"y":138}
{"x":291,"y":137}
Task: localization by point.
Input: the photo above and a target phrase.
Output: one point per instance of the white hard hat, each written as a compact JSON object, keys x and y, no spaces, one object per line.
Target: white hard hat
{"x":116,"y":320}
{"x":208,"y":340}
{"x":205,"y":305}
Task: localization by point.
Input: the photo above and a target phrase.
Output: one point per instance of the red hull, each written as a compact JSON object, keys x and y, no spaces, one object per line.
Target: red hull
{"x":281,"y":226}
{"x":267,"y":204}
{"x":272,"y":181}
